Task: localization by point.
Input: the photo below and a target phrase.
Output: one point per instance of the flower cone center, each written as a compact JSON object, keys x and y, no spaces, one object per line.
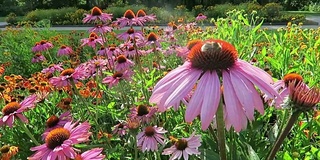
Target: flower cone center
{"x":52,"y":121}
{"x":130,"y":31}
{"x":141,"y":13}
{"x":67,"y":72}
{"x":117,"y":75}
{"x":121,"y":59}
{"x":142,"y":110}
{"x":213,"y":55}
{"x":191,"y":43}
{"x":5,"y":149}
{"x":10,"y":108}
{"x":96,"y":11}
{"x":292,"y":77}
{"x":129,"y":14}
{"x":152,"y":37}
{"x":181,"y":144}
{"x":56,"y":137}
{"x":149,"y":131}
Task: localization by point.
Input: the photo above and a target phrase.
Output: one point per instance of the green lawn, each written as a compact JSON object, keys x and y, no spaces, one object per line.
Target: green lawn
{"x":2,"y":19}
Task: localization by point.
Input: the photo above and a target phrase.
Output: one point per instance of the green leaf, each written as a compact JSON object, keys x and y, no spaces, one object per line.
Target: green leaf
{"x":287,"y":156}
{"x":252,"y":154}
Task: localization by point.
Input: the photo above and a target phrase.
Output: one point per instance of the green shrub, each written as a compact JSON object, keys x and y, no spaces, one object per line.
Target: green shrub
{"x":271,"y":10}
{"x":219,"y":10}
{"x":197,"y":9}
{"x":76,"y":17}
{"x":312,"y":7}
{"x":249,"y":7}
{"x":12,"y":19}
{"x":118,"y":12}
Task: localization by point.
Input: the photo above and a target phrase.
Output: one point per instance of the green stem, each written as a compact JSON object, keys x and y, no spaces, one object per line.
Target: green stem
{"x":293,"y":118}
{"x":27,"y":131}
{"x":221,"y":133}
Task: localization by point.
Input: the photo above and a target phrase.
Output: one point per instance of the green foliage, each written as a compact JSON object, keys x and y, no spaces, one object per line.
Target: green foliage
{"x":312,"y":7}
{"x":12,"y":19}
{"x":76,"y":17}
{"x":219,"y":10}
{"x":197,"y":9}
{"x":271,"y":10}
{"x":118,"y":12}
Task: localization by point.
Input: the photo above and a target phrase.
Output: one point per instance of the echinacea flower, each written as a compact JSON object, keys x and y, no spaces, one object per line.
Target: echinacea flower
{"x":92,"y":154}
{"x":184,"y":147}
{"x":207,"y":62}
{"x":59,"y":142}
{"x":122,"y":63}
{"x":153,"y":39}
{"x":38,"y":57}
{"x":7,"y":152}
{"x":64,"y":50}
{"x":131,"y":34}
{"x":143,"y":112}
{"x":52,"y":68}
{"x":143,"y":17}
{"x":92,"y":40}
{"x":120,"y":129}
{"x":67,"y":76}
{"x":116,"y":77}
{"x":97,"y":14}
{"x":56,"y":122}
{"x":128,"y":19}
{"x":14,"y":110}
{"x":201,"y":17}
{"x":100,"y":28}
{"x":43,"y":45}
{"x":149,"y":138}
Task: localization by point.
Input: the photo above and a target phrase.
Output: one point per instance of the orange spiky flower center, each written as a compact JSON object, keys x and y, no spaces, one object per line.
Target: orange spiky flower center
{"x":200,"y":14}
{"x":10,"y":108}
{"x":129,"y":14}
{"x":52,"y":121}
{"x":152,"y":37}
{"x":121,"y":59}
{"x":141,"y":13}
{"x":67,"y":101}
{"x":94,"y":35}
{"x":56,"y":137}
{"x":213,"y":55}
{"x":42,"y":42}
{"x":181,"y":144}
{"x":292,"y":77}
{"x":117,"y":75}
{"x":130,"y":31}
{"x":149,"y":131}
{"x":191,"y":43}
{"x":96,"y":11}
{"x":142,"y":110}
{"x":67,"y":72}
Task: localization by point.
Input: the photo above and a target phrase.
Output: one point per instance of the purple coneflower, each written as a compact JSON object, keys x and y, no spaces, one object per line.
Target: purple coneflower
{"x":143,"y":17}
{"x":131,"y":34}
{"x":100,"y":28}
{"x":120,"y":129}
{"x":68,"y":74}
{"x":64,"y":50}
{"x":206,"y":63}
{"x":153,"y":39}
{"x":116,"y":77}
{"x":52,"y":68}
{"x":184,"y":147}
{"x":149,"y":138}
{"x":58,"y":143}
{"x":38,"y":57}
{"x":96,"y":14}
{"x":54,"y":122}
{"x":14,"y":110}
{"x":201,"y":17}
{"x":143,"y":112}
{"x":113,"y":50}
{"x":128,"y":19}
{"x":122,"y":63}
{"x":92,"y":154}
{"x":92,"y":40}
{"x":43,"y":45}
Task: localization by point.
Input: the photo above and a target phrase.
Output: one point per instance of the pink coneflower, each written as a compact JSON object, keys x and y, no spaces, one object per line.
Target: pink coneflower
{"x":14,"y":110}
{"x":52,"y":68}
{"x":94,"y":65}
{"x":38,"y":57}
{"x":116,"y":77}
{"x":54,"y":122}
{"x":184,"y":147}
{"x":282,"y":86}
{"x":122,"y":63}
{"x":120,"y":129}
{"x":100,"y":28}
{"x":206,"y":63}
{"x":43,"y":45}
{"x":58,"y":143}
{"x":92,"y":154}
{"x":143,"y":112}
{"x":153,"y":39}
{"x":66,"y":75}
{"x":201,"y":17}
{"x":128,"y":19}
{"x":96,"y":14}
{"x":64,"y":50}
{"x":113,"y":50}
{"x":149,"y":138}
{"x":143,"y":17}
{"x":131,"y":34}
{"x":92,"y":40}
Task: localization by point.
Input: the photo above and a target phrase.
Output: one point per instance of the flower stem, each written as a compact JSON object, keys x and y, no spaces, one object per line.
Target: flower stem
{"x":27,"y":131}
{"x":293,"y":118}
{"x":221,"y":133}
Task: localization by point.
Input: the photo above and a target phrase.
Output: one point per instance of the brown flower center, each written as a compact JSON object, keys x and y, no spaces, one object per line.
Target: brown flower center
{"x":149,"y":131}
{"x":94,"y":35}
{"x":129,"y":14}
{"x":67,"y":72}
{"x":213,"y":55}
{"x":181,"y":144}
{"x":63,"y":47}
{"x":117,"y":75}
{"x":96,"y":11}
{"x":292,"y":77}
{"x":42,"y":42}
{"x":10,"y":108}
{"x":56,"y":137}
{"x":131,"y":48}
{"x":142,"y":110}
{"x":141,"y":13}
{"x":152,"y":37}
{"x":52,"y":121}
{"x":66,"y":101}
{"x":130,"y":31}
{"x":121,"y":59}
{"x":5,"y":149}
